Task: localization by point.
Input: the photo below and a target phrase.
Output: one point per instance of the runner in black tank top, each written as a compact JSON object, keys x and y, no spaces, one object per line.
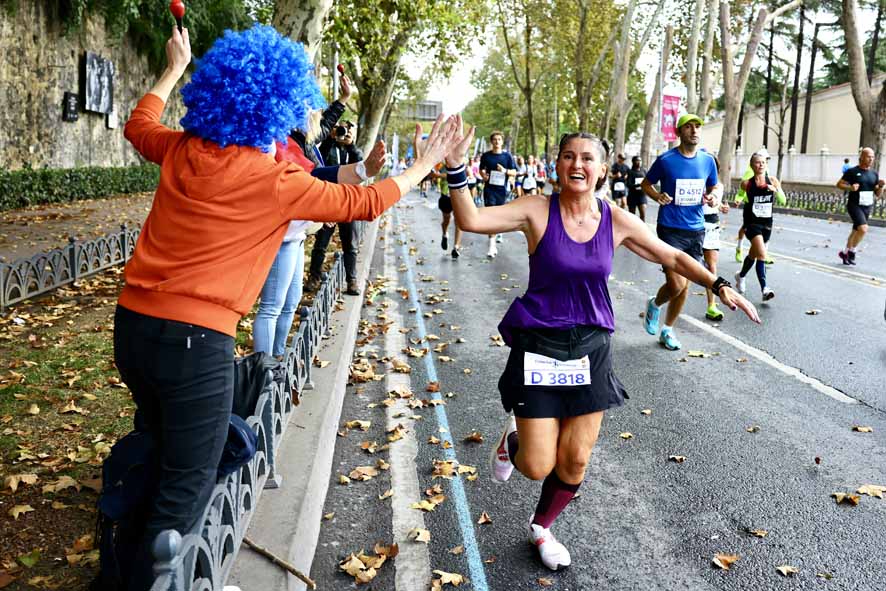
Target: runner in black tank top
{"x":762,"y":191}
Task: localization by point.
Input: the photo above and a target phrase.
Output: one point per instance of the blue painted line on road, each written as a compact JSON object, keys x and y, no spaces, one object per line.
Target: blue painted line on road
{"x":465,"y":522}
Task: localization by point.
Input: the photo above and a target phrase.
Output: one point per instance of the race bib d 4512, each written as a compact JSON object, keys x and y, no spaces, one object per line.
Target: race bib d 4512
{"x":688,"y":191}
{"x":539,"y":370}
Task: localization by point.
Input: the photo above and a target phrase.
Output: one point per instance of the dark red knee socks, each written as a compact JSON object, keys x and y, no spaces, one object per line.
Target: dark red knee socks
{"x":555,"y":495}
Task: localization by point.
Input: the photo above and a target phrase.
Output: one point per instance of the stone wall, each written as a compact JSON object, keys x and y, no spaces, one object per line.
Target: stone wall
{"x":38,"y":65}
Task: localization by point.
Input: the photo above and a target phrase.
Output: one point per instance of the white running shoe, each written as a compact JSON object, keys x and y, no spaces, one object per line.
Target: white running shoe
{"x":499,"y":238}
{"x":500,"y":465}
{"x":553,"y":554}
{"x":492,"y":249}
{"x":741,"y":283}
{"x":768,"y":294}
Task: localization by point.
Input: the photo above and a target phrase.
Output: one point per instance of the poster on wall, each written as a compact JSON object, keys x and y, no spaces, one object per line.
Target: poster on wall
{"x":98,"y":84}
{"x":670,"y":107}
{"x":70,"y":106}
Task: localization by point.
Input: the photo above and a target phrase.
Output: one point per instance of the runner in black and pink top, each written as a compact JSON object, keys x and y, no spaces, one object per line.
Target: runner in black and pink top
{"x":558,"y":380}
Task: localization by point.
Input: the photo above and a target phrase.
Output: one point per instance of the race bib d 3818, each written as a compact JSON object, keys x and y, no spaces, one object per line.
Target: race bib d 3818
{"x":865,"y":197}
{"x":539,"y":370}
{"x":497,"y":178}
{"x":688,"y":191}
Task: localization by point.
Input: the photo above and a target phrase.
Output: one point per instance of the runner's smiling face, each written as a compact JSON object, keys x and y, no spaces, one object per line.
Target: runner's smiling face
{"x":579,"y":165}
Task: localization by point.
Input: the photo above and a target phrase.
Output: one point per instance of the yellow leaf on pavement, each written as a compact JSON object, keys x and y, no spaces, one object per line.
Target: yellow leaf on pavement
{"x":677,"y":459}
{"x":724,"y":561}
{"x":626,"y":435}
{"x":419,"y":535}
{"x":860,"y":429}
{"x":386,"y":495}
{"x":33,"y":410}
{"x":787,"y":570}
{"x":846,"y":498}
{"x":484,"y":519}
{"x":873,"y":490}
{"x":453,"y":579}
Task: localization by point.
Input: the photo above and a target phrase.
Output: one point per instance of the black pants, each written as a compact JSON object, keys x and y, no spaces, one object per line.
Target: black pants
{"x":347,"y":232}
{"x":182,"y":380}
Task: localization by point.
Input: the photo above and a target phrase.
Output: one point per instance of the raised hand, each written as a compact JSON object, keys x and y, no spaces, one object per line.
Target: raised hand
{"x":376,"y":159}
{"x":178,"y":51}
{"x":462,"y":143}
{"x":345,"y":90}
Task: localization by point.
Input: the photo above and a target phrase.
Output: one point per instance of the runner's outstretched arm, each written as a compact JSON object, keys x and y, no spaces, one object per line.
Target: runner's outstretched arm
{"x":638,"y":238}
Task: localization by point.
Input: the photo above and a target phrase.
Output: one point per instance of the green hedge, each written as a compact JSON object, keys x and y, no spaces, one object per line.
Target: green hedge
{"x":24,"y":187}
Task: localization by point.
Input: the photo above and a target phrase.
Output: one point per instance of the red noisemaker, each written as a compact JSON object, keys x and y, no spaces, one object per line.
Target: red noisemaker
{"x":177,"y":8}
{"x":341,"y":69}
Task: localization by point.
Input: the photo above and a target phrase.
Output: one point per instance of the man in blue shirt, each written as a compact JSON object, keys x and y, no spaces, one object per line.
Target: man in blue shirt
{"x":496,"y":166}
{"x":686,"y":176}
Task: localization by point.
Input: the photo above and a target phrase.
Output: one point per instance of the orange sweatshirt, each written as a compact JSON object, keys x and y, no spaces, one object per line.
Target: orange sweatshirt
{"x":218,"y":219}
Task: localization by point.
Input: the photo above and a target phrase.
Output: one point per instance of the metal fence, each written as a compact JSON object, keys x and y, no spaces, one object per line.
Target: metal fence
{"x":825,"y":203}
{"x":202,"y":559}
{"x":44,"y":272}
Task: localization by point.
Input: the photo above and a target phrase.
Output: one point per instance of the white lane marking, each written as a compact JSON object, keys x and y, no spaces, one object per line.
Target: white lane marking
{"x":771,"y":361}
{"x":801,"y":231}
{"x":759,"y":354}
{"x":413,"y":565}
{"x":870,"y":280}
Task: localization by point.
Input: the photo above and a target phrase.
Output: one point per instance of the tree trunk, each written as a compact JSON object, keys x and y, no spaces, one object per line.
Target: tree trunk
{"x":303,"y":21}
{"x":768,"y":89}
{"x":530,"y":87}
{"x":707,"y":82}
{"x":809,"y":82}
{"x":734,"y":84}
{"x":872,"y":57}
{"x":376,"y":88}
{"x":606,"y":123}
{"x":583,"y":88}
{"x":871,"y":107}
{"x":795,"y":95}
{"x":692,"y":56}
{"x":651,"y":125}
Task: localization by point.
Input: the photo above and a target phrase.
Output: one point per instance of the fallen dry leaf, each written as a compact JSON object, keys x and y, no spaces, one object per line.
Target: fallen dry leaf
{"x":484,"y":519}
{"x":760,"y":533}
{"x":701,"y":354}
{"x":453,"y":579}
{"x":724,"y":561}
{"x":363,"y":473}
{"x":64,"y":482}
{"x":19,"y":509}
{"x":873,"y":490}
{"x":545,"y":582}
{"x":753,"y":429}
{"x":860,"y":429}
{"x":433,"y":387}
{"x":362,"y":425}
{"x":13,"y":480}
{"x":646,"y":411}
{"x":626,"y":435}
{"x":813,"y":312}
{"x":458,"y":550}
{"x":33,"y":410}
{"x":342,"y":479}
{"x":846,"y":498}
{"x":329,"y":516}
{"x":787,"y":570}
{"x":474,"y":437}
{"x":418,"y":534}
{"x":677,"y":459}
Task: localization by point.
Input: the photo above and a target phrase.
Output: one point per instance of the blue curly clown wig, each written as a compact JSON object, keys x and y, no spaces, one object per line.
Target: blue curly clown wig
{"x":250,"y":89}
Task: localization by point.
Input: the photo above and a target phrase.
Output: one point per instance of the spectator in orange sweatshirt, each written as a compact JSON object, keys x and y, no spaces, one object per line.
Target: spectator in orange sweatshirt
{"x":218,"y":218}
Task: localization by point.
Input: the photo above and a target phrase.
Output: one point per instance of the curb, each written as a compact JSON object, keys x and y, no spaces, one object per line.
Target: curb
{"x":288,"y":519}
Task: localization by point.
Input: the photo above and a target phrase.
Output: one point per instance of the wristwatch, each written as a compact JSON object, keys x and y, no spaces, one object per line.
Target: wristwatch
{"x":360,"y":170}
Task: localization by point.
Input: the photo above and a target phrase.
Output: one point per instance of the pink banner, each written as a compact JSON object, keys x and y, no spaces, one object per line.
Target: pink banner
{"x":670,"y":107}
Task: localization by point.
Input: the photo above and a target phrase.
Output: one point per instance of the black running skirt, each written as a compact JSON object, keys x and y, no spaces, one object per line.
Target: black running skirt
{"x":534,"y":402}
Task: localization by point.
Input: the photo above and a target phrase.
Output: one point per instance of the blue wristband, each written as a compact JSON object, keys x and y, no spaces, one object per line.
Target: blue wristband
{"x":457,"y":178}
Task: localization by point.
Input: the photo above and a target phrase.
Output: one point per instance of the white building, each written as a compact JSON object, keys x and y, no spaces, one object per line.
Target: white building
{"x":834,"y":131}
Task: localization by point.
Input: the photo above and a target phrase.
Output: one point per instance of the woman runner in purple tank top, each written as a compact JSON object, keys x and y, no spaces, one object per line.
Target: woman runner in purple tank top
{"x":559,"y":380}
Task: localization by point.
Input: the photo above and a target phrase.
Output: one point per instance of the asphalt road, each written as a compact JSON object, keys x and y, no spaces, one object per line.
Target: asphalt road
{"x":641,"y":522}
